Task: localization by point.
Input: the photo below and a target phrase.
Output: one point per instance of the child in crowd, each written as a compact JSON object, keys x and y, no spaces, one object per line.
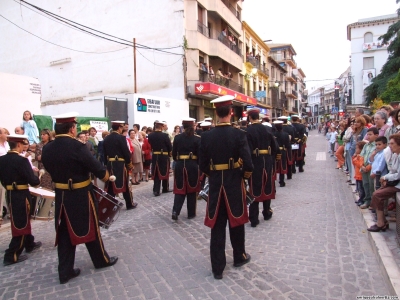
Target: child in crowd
{"x":358,"y":162}
{"x":368,"y":182}
{"x":378,"y":162}
{"x":332,"y":140}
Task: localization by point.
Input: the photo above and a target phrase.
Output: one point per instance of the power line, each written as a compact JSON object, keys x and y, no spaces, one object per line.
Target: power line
{"x":57,"y":44}
{"x":157,"y":64}
{"x":68,"y":22}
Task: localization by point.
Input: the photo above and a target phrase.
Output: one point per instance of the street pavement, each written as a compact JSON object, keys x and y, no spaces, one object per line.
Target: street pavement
{"x":314,"y":247}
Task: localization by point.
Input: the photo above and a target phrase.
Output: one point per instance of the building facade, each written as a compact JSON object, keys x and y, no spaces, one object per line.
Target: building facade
{"x":368,"y":54}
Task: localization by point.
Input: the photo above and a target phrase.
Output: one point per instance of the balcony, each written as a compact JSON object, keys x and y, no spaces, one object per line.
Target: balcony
{"x":290,"y":61}
{"x":232,"y":9}
{"x":203,"y":29}
{"x":215,"y":35}
{"x":256,"y":63}
{"x":294,"y":76}
{"x":290,"y":77}
{"x":220,"y":80}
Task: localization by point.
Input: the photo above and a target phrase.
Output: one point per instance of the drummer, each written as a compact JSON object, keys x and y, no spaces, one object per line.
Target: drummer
{"x":15,"y":175}
{"x":73,"y":189}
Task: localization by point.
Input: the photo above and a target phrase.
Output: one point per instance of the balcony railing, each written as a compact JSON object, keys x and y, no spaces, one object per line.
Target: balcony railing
{"x":203,"y":29}
{"x":294,"y":76}
{"x":225,"y":40}
{"x":294,"y":92}
{"x":220,"y":80}
{"x":232,"y":9}
{"x":256,"y":63}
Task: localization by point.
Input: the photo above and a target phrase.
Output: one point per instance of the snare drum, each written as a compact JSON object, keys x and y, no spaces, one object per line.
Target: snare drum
{"x":44,"y":208}
{"x":109,"y":207}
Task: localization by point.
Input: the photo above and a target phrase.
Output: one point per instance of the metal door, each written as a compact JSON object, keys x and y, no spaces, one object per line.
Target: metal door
{"x":116,"y":108}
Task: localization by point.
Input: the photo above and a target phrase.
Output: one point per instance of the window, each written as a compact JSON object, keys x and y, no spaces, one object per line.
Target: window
{"x":368,"y":37}
{"x":368,"y":63}
{"x":272,"y":72}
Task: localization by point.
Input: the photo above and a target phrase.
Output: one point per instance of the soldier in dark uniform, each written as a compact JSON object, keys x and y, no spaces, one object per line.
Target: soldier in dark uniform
{"x":225,"y":158}
{"x":263,"y":153}
{"x":118,"y":157}
{"x":289,"y":129}
{"x":301,"y":139}
{"x":15,"y":175}
{"x":162,"y":151}
{"x":185,"y":151}
{"x":205,"y":126}
{"x":198,"y":128}
{"x":283,"y":141}
{"x":70,"y":163}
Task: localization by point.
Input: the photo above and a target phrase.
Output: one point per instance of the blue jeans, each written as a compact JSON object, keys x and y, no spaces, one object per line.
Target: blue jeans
{"x":360,"y":189}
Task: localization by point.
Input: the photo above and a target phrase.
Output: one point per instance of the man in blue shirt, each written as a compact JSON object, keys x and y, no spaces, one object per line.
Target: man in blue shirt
{"x":378,"y":162}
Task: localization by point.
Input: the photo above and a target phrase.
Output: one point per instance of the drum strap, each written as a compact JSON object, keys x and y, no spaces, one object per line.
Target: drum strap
{"x":72,"y":186}
{"x":17,"y":187}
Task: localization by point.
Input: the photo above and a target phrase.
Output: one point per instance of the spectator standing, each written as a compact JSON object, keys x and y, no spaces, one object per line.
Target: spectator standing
{"x":146,"y":150}
{"x":30,"y":129}
{"x":137,"y":158}
{"x":358,"y":162}
{"x":100,"y":148}
{"x":45,"y":180}
{"x":4,"y":148}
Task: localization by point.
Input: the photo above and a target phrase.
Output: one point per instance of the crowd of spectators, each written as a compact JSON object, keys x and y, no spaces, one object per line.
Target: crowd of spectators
{"x":367,"y":150}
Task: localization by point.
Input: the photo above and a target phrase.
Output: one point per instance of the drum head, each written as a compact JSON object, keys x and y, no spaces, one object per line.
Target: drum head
{"x":42,"y":192}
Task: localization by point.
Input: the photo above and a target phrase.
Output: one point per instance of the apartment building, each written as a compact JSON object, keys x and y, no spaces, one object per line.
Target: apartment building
{"x":215,"y":56}
{"x":368,"y":54}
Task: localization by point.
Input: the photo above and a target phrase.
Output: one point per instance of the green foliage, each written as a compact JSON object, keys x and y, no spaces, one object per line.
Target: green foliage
{"x":392,"y":91}
{"x":390,"y":69}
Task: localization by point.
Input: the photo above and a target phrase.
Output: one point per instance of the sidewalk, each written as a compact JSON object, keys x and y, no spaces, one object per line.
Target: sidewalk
{"x":385,"y":244}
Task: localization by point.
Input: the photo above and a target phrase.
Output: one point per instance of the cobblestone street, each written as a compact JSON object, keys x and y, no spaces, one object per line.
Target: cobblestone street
{"x":314,"y":247}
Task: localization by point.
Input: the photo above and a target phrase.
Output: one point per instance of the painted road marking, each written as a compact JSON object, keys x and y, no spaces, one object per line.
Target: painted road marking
{"x":321,"y":156}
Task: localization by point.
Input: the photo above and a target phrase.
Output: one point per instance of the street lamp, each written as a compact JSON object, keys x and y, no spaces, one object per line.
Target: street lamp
{"x":266,"y":41}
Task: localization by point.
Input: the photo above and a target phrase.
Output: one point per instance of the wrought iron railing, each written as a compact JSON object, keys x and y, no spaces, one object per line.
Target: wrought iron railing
{"x":224,"y":39}
{"x":220,"y":80}
{"x":203,"y":29}
{"x":232,"y":9}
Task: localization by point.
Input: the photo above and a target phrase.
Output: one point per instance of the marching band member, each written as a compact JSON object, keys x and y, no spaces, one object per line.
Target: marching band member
{"x":225,"y":158}
{"x":162,"y":148}
{"x":69,"y":163}
{"x":263,"y":151}
{"x":301,"y":138}
{"x":292,"y":153}
{"x":118,"y":157}
{"x":185,"y":151}
{"x":15,"y":175}
{"x":284,"y":146}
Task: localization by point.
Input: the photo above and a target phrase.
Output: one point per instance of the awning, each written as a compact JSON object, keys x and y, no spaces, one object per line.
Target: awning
{"x":215,"y":89}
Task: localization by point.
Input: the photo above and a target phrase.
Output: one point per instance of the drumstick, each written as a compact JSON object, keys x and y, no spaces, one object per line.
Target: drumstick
{"x":41,"y":173}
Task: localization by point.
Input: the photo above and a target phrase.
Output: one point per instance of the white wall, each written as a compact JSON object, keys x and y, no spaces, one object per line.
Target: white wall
{"x":158,"y":25}
{"x":357,"y":55}
{"x":18,"y":93}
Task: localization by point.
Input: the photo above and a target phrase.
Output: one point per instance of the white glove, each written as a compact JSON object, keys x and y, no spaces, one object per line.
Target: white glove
{"x":112,"y":178}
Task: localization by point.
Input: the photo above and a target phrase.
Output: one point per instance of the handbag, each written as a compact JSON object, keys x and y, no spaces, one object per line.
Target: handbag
{"x":392,"y":183}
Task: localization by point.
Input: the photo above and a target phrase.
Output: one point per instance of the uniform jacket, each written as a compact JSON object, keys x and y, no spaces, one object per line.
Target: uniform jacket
{"x":79,"y":206}
{"x":284,"y":146}
{"x":186,"y":172}
{"x":15,"y":168}
{"x":220,"y":146}
{"x":261,"y":182}
{"x":160,"y":142}
{"x":116,"y":148}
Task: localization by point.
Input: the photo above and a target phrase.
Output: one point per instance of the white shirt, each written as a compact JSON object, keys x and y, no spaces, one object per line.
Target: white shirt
{"x":4,"y":148}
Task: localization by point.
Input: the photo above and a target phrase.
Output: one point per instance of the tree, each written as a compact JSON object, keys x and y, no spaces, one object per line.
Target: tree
{"x":392,"y":91}
{"x":376,"y":104}
{"x":390,"y":68}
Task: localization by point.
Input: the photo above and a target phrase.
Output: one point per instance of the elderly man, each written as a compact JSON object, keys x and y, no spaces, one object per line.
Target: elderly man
{"x":19,"y":130}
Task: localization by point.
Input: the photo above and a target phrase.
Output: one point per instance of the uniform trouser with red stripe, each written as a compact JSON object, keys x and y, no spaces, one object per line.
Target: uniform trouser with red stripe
{"x":17,"y":245}
{"x":218,"y":239}
{"x":66,"y":251}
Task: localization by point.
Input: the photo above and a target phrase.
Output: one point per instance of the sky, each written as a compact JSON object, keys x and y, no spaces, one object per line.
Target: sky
{"x":317,"y":29}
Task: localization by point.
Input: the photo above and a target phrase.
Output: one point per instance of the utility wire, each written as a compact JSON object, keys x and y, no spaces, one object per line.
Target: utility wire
{"x":157,"y":64}
{"x":66,"y":21}
{"x":57,"y":44}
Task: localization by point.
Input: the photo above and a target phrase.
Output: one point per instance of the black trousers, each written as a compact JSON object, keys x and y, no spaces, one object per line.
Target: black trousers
{"x":66,"y":251}
{"x":254,"y":210}
{"x":127,"y":194}
{"x":17,"y":245}
{"x":157,"y":184}
{"x":281,"y":178}
{"x":191,"y":204}
{"x":218,"y":238}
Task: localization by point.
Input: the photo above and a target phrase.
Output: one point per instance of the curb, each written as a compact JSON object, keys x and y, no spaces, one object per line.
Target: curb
{"x":387,"y":263}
